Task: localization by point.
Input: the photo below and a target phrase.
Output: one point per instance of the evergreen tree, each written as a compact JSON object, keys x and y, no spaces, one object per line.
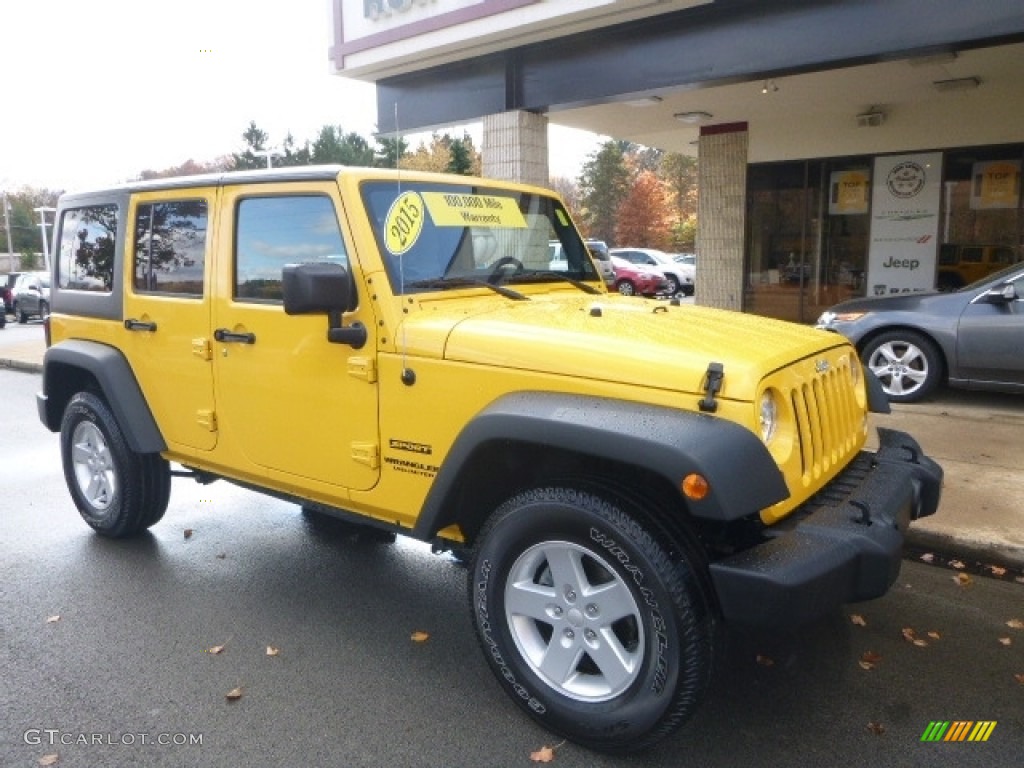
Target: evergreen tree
{"x":603,"y":183}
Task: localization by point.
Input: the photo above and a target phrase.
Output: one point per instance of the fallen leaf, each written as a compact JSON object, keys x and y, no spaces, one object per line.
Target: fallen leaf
{"x":216,"y":649}
{"x":858,"y":620}
{"x":765,"y":661}
{"x":419,"y":637}
{"x":234,"y":694}
{"x":1015,"y":624}
{"x":1005,"y":641}
{"x":50,"y":759}
{"x":957,"y":564}
{"x":221,"y":555}
{"x":934,"y":635}
{"x":543,"y":755}
{"x":1019,"y":678}
{"x":272,"y":651}
{"x":188,"y":533}
{"x":963,"y":580}
{"x":1019,"y":579}
{"x":997,"y":570}
{"x":928,"y":557}
{"x":876,"y":728}
{"x":53,"y":619}
{"x":869,"y":659}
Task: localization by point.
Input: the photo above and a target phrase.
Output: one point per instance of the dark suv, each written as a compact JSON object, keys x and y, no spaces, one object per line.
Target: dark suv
{"x":31,"y":295}
{"x":7,"y":289}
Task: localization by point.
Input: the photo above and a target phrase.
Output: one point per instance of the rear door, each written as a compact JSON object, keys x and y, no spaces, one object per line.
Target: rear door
{"x":168,"y":255}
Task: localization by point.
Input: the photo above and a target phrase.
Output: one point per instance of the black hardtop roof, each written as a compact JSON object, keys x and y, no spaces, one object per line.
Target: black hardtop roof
{"x":265,"y":176}
{"x":291,"y":173}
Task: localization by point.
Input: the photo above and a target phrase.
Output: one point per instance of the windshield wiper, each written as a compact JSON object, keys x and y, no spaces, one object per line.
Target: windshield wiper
{"x":549,"y":277}
{"x":444,"y":283}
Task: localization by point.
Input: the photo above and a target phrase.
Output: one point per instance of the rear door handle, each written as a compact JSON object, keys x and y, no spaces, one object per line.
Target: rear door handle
{"x":223,"y":334}
{"x":132,"y":324}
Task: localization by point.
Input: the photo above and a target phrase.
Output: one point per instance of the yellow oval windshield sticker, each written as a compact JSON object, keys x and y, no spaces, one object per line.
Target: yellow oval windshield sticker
{"x":404,"y":223}
{"x":453,"y":209}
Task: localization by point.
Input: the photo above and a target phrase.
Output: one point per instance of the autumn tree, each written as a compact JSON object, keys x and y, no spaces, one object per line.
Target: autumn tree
{"x":445,"y":155}
{"x":642,"y":216}
{"x":603,"y":183}
{"x":189,"y":168}
{"x":679,"y":173}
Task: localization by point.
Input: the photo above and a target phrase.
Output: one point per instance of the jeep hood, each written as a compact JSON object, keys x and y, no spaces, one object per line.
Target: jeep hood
{"x":618,"y":339}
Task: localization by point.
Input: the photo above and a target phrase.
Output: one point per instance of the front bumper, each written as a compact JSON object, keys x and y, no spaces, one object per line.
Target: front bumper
{"x":844,"y":545}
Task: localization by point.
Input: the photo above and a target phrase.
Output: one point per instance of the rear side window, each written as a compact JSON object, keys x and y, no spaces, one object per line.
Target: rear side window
{"x":85,"y":255}
{"x":274,"y":231}
{"x":170,"y":247}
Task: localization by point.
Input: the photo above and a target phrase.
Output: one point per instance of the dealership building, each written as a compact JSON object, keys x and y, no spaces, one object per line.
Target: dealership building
{"x":845,"y":147}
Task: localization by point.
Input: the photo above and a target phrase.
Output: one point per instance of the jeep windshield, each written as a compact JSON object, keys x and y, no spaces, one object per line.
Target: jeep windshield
{"x":436,"y":236}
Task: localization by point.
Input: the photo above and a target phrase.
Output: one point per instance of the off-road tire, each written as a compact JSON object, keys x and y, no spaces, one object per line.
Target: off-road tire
{"x":117,"y":491}
{"x":586,"y":619}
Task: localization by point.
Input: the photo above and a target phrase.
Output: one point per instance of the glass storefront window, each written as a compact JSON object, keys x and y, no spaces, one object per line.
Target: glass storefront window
{"x":809,"y":227}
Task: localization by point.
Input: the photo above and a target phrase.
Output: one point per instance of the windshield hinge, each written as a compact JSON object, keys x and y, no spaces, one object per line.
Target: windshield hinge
{"x":712,"y":386}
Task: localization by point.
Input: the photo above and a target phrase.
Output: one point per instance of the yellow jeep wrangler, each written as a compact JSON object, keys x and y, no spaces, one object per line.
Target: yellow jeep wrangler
{"x":394,"y":350}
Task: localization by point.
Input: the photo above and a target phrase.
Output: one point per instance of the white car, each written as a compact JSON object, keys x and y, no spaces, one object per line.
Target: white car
{"x":678,"y":277}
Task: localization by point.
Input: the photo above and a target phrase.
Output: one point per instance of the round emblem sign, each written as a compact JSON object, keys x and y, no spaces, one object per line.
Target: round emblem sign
{"x":404,"y":223}
{"x":906,"y":179}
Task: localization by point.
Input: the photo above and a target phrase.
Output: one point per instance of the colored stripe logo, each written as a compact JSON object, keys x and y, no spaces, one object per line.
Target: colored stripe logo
{"x":958,"y":730}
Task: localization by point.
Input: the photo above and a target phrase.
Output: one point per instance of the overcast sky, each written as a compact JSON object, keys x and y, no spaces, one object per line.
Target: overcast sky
{"x":96,"y":91}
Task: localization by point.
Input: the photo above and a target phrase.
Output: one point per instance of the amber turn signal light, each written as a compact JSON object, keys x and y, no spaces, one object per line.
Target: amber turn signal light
{"x":695,"y":486}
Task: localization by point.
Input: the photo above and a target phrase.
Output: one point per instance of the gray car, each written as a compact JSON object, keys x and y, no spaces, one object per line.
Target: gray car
{"x":32,"y":295}
{"x":972,"y":338}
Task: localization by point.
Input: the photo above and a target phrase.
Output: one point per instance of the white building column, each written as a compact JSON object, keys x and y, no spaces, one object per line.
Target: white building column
{"x":515,"y":147}
{"x":721,"y":215}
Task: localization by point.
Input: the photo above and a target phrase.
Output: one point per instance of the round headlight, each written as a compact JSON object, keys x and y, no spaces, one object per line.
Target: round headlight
{"x":768,"y":416}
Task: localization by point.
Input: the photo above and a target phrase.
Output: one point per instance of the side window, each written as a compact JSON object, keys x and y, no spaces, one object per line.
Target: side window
{"x":85,"y":255}
{"x":274,"y":231}
{"x":170,"y":247}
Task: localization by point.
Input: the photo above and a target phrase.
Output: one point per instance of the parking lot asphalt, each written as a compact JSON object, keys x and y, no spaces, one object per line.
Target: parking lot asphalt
{"x":975,"y":436}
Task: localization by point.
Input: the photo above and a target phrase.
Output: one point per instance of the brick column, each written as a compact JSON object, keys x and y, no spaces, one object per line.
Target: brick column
{"x":721,"y":215}
{"x":515,"y":147}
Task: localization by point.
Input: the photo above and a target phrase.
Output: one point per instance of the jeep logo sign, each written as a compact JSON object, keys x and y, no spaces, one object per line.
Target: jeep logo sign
{"x":905,"y":195}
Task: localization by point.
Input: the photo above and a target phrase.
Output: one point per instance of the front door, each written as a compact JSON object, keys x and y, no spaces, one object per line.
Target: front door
{"x":990,"y":341}
{"x":288,"y":400}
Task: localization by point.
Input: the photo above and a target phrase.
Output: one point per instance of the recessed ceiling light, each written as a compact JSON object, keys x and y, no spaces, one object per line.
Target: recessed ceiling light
{"x":644,"y":101}
{"x":692,"y":117}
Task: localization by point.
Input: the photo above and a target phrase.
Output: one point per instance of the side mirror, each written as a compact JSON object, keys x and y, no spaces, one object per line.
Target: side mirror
{"x":1001,"y":295}
{"x":310,"y":289}
{"x":313,"y":288}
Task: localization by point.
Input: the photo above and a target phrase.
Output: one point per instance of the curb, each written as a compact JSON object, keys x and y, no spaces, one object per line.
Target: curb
{"x":21,"y":365}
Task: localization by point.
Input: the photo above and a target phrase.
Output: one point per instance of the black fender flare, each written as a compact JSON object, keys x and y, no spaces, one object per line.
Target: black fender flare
{"x":117,"y":383}
{"x":672,"y":443}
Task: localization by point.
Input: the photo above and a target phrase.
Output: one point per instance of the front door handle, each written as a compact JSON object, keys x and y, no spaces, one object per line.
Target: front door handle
{"x":132,"y":324}
{"x":223,"y":334}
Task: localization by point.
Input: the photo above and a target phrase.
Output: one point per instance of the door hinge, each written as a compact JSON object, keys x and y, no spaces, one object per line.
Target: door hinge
{"x":207,"y":419}
{"x":201,"y":348}
{"x":366,"y":453}
{"x":363,"y":368}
